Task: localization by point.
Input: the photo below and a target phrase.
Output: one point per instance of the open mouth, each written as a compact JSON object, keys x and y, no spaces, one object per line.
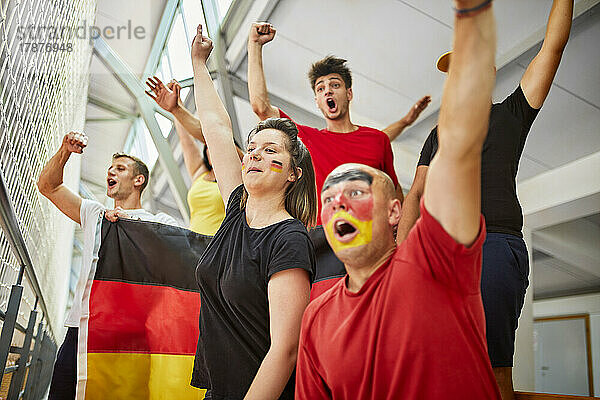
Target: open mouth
{"x":344,"y":230}
{"x":111,"y":183}
{"x":331,"y":104}
{"x":254,"y":169}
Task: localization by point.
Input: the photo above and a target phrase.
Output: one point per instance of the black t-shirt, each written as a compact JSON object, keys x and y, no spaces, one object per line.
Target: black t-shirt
{"x":510,"y":122}
{"x":233,"y":274}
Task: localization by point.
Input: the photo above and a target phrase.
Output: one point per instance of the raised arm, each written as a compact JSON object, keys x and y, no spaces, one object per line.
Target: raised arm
{"x":538,"y":77}
{"x":260,"y":34}
{"x":410,"y":206}
{"x":453,"y":184}
{"x":186,"y":123}
{"x":50,"y":182}
{"x":214,"y":120}
{"x":167,"y":97}
{"x":394,"y":130}
{"x":192,"y":156}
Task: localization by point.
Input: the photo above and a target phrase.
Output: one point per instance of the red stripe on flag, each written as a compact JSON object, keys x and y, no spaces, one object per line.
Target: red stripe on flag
{"x":134,"y":318}
{"x":318,"y":288}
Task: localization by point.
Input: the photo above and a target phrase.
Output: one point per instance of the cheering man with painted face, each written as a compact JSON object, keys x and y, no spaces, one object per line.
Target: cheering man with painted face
{"x":407,"y":322}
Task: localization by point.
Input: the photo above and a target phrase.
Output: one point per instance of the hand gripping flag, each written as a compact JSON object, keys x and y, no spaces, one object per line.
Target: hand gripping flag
{"x":140,"y":337}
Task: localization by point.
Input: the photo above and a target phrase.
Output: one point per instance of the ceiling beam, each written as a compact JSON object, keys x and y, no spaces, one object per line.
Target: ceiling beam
{"x":158,"y":45}
{"x":576,"y":243}
{"x":580,"y":11}
{"x":300,"y":114}
{"x":565,"y":293}
{"x":562,"y":194}
{"x":102,"y":120}
{"x":224,"y":88}
{"x":236,"y":30}
{"x":113,"y":109}
{"x":160,"y":38}
{"x":233,"y":21}
{"x":134,"y":86}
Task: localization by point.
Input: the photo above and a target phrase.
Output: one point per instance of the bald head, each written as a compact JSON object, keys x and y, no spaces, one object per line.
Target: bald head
{"x":377,"y":179}
{"x":359,"y":211}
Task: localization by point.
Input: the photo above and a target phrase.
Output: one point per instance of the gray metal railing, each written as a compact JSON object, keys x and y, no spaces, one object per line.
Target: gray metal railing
{"x":30,"y":374}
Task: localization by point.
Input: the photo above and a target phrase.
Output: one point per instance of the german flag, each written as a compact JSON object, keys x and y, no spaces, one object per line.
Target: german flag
{"x":144,"y":309}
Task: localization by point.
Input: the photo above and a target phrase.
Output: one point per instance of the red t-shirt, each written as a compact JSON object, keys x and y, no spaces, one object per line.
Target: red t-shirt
{"x":415,"y":330}
{"x":331,"y":149}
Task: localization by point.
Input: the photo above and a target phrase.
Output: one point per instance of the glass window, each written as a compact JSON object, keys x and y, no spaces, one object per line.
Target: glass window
{"x":143,"y":146}
{"x":179,"y":51}
{"x":184,"y":93}
{"x":164,"y":124}
{"x":223,"y":7}
{"x":165,"y":65}
{"x":164,"y":69}
{"x":175,"y":63}
{"x":193,"y":15}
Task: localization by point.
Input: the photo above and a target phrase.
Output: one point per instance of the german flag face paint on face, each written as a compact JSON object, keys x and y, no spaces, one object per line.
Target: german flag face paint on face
{"x":276,"y":166}
{"x":347,"y":211}
{"x":346,"y":231}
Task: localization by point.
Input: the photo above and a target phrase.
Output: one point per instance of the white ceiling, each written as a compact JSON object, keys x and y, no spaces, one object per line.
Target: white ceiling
{"x":392,"y":51}
{"x":106,"y":138}
{"x":391,"y":47}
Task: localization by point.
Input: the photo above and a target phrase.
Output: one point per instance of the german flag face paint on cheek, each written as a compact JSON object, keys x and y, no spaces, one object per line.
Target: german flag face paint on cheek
{"x":346,"y":231}
{"x":243,"y":167}
{"x":276,"y":166}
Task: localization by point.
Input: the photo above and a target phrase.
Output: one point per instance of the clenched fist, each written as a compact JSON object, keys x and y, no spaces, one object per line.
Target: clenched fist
{"x":74,"y":142}
{"x":261,"y":33}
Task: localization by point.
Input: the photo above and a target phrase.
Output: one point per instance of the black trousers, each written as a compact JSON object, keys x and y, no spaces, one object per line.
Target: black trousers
{"x":64,"y":377}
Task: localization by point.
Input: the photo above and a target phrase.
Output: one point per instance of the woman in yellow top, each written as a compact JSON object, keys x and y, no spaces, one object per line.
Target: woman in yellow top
{"x":204,"y":199}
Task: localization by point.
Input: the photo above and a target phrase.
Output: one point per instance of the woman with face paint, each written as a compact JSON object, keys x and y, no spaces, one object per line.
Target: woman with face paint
{"x":255,"y":276}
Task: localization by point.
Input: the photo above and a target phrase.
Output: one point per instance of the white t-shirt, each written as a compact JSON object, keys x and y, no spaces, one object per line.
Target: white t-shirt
{"x":91,"y":220}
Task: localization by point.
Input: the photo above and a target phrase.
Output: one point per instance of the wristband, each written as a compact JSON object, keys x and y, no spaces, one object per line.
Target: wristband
{"x":469,"y":12}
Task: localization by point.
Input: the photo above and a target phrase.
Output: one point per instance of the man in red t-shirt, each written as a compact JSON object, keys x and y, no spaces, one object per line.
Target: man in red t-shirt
{"x":407,"y":322}
{"x":341,"y":142}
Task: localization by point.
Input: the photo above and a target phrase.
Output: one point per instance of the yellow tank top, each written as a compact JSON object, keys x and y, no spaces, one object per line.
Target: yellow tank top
{"x":206,"y":206}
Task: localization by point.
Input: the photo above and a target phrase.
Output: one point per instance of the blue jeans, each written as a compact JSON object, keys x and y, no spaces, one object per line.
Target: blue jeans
{"x":504,"y":280}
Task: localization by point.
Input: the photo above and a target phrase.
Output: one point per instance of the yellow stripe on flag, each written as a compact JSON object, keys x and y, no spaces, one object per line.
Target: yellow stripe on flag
{"x":140,"y":376}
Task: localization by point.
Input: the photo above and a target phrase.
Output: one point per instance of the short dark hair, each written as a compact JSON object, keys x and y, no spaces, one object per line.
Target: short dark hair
{"x":330,"y":65}
{"x":139,"y":168}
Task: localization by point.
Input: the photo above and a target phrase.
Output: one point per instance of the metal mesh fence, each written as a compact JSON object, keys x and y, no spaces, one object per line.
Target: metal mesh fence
{"x":44,"y":64}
